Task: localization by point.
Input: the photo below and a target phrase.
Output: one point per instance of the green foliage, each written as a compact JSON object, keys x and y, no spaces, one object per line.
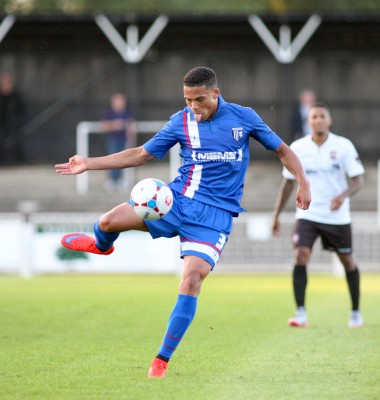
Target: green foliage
{"x":93,"y":338}
{"x":186,"y":7}
{"x":64,"y":254}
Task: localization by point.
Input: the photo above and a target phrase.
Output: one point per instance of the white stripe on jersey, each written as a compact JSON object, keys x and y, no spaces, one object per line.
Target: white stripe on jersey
{"x":201,"y":248}
{"x":194,"y":181}
{"x":193,"y":131}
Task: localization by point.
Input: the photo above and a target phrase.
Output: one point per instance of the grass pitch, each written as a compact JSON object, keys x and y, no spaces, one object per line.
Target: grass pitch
{"x":75,"y":337}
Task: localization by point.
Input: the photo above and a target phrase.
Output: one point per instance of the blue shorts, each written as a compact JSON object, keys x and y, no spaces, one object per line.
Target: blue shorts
{"x":203,"y":229}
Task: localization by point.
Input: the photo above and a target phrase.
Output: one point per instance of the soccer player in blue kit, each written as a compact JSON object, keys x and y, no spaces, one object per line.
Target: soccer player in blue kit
{"x":214,"y":139}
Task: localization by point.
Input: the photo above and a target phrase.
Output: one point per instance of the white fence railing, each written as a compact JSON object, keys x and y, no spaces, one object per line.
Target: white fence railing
{"x":86,"y":128}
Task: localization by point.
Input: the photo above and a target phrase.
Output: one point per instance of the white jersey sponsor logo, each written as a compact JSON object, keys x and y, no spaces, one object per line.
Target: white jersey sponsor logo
{"x":218,"y":156}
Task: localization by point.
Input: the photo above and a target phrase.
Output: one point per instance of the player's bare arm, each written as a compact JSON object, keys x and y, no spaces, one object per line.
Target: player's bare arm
{"x":354,"y":184}
{"x":291,"y":162}
{"x":284,"y":193}
{"x":124,"y":159}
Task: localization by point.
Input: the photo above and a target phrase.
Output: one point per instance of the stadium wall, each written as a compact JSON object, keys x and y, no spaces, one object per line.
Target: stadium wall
{"x":33,"y":247}
{"x":66,"y":69}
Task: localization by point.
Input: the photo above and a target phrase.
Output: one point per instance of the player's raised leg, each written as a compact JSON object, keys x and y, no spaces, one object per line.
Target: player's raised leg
{"x":106,"y":230}
{"x":195,"y":271}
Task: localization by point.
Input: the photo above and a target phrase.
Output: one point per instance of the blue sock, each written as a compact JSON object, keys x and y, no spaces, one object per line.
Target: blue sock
{"x":180,"y":319}
{"x":104,"y":240}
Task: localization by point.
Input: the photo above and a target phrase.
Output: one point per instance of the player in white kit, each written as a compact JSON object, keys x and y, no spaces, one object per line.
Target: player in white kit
{"x":333,"y":168}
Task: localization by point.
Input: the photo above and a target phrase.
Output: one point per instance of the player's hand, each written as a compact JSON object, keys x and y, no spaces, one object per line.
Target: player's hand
{"x":76,"y":165}
{"x":276,"y":227}
{"x":336,"y":202}
{"x":303,"y":196}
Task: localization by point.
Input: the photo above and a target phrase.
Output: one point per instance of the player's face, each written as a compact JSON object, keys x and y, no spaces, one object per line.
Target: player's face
{"x":319,"y":120}
{"x":202,"y":101}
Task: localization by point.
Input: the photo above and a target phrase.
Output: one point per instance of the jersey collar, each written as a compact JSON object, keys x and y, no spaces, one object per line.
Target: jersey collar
{"x":221,"y":104}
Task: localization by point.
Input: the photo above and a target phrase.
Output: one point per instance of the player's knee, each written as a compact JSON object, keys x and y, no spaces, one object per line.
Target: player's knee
{"x":190,"y":287}
{"x":105,"y":223}
{"x":347,"y":262}
{"x":195,"y":271}
{"x":302,"y":255}
{"x":191,"y":283}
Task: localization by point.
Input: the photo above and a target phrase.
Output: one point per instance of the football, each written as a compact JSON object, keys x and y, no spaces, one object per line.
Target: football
{"x":151,"y":199}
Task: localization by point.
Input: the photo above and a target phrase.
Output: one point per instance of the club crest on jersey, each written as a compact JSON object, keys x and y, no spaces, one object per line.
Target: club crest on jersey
{"x":237,"y":133}
{"x":333,"y":154}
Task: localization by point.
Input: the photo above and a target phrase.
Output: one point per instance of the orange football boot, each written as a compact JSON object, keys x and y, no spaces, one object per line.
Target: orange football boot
{"x":82,"y":242}
{"x":157,"y":369}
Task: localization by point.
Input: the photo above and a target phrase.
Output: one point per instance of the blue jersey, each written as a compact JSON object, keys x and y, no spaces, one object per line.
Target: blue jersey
{"x":215,"y":152}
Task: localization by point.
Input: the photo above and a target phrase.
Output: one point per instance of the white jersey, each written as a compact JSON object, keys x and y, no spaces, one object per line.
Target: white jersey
{"x":327,"y":168}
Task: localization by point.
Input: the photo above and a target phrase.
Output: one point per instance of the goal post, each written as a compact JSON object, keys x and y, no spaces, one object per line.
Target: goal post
{"x":87,"y":128}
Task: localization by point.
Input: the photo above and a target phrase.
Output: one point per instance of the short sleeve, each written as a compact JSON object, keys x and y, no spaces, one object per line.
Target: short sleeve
{"x":162,"y":141}
{"x":351,"y":160}
{"x":264,"y":135}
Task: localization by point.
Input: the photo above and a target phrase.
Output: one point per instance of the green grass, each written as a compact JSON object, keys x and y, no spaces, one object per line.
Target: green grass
{"x":93,"y":337}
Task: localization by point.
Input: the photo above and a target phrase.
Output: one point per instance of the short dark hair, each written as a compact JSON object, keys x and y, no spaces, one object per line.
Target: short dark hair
{"x":200,"y":76}
{"x":320,"y":104}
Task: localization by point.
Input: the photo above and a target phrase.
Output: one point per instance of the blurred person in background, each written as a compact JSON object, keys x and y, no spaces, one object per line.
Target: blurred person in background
{"x":120,"y":126}
{"x":299,"y":124}
{"x":12,"y":114}
{"x":334,"y":170}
